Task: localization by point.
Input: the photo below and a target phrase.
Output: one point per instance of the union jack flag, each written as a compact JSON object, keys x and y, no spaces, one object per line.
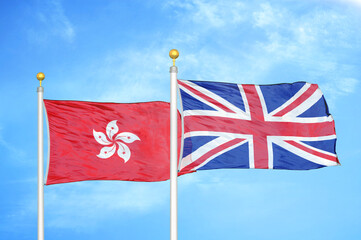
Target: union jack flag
{"x":281,"y":126}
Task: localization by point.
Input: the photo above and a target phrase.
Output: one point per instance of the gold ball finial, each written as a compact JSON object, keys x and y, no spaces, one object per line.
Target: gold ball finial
{"x":173,"y":54}
{"x":40,"y":76}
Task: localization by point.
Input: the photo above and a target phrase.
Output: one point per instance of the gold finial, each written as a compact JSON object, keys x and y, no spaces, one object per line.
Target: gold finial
{"x":173,"y":54}
{"x":40,"y":76}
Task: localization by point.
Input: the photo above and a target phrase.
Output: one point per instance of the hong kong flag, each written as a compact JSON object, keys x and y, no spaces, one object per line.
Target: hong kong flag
{"x":108,"y":141}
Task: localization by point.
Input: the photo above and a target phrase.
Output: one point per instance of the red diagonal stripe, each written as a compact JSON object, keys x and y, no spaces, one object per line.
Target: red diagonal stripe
{"x":308,"y":93}
{"x":309,"y":150}
{"x":257,"y":126}
{"x":211,"y":153}
{"x":205,"y":97}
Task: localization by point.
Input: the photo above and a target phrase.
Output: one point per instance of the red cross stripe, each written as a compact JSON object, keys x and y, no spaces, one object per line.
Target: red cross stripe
{"x":256,"y":125}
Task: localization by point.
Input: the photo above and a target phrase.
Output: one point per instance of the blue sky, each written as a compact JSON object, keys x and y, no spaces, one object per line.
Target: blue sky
{"x":118,"y":51}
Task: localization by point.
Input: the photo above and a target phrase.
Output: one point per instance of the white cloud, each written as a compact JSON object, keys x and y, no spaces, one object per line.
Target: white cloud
{"x":211,"y":13}
{"x":123,"y":75}
{"x":13,"y":150}
{"x":339,"y":87}
{"x":267,"y":16}
{"x":282,"y":37}
{"x":83,"y":206}
{"x":219,"y":186}
{"x":134,"y":75}
{"x":249,"y":44}
{"x":314,"y":44}
{"x":86,"y":204}
{"x":356,"y":3}
{"x":52,"y":22}
{"x":348,"y":85}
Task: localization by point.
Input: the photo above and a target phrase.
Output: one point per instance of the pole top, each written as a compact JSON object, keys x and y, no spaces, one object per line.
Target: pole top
{"x":173,"y":54}
{"x":40,"y":76}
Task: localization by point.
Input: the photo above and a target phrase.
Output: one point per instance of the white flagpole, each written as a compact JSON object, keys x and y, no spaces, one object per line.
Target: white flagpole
{"x":40,"y":76}
{"x":173,"y":147}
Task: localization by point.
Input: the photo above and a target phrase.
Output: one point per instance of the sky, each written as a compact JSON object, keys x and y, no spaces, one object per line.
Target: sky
{"x":117,"y":51}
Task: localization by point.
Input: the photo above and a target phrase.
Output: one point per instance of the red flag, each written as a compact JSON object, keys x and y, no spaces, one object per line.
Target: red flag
{"x":108,"y":141}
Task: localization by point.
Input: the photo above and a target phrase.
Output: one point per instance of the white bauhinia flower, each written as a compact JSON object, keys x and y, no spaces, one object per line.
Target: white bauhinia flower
{"x":127,"y":137}
{"x":108,"y":151}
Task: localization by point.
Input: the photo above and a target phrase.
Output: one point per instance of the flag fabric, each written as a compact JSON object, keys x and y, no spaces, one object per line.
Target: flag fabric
{"x":281,"y":126}
{"x":108,"y":141}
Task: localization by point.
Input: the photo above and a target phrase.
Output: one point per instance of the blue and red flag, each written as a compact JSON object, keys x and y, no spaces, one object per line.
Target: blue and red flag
{"x":281,"y":126}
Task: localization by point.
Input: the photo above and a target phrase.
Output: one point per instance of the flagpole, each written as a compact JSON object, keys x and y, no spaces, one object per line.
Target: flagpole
{"x":40,"y":76}
{"x":173,"y":147}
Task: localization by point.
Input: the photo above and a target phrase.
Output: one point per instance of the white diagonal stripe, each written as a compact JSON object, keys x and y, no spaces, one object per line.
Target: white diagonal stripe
{"x":307,"y":104}
{"x":310,"y":157}
{"x":194,"y":156}
{"x":245,"y":101}
{"x":200,"y":98}
{"x":261,"y":98}
{"x":216,"y":97}
{"x":292,"y":99}
{"x":316,"y":149}
{"x":218,"y":154}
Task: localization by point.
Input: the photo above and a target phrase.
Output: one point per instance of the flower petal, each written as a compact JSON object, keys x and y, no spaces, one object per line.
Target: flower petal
{"x":123,"y":151}
{"x":101,"y":138}
{"x":127,"y":137}
{"x":107,"y":152}
{"x":112,"y":129}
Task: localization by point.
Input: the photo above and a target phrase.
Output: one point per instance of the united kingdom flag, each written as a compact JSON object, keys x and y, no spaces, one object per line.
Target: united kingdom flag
{"x":281,"y":126}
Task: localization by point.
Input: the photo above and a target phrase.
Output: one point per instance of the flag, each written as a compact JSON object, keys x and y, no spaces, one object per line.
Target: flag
{"x":281,"y":126}
{"x":108,"y":141}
